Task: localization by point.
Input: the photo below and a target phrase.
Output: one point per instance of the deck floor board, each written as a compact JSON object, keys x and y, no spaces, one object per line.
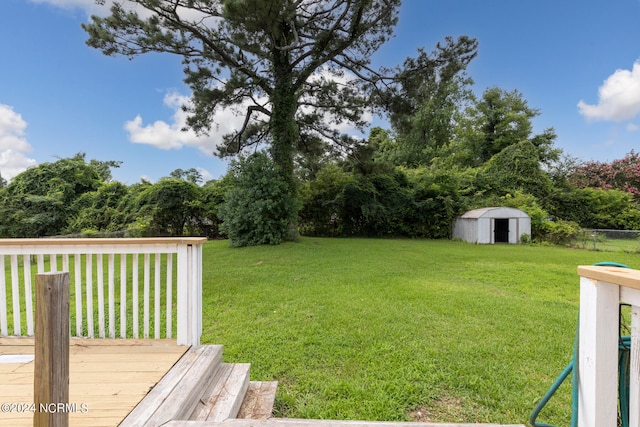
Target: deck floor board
{"x":109,"y":376}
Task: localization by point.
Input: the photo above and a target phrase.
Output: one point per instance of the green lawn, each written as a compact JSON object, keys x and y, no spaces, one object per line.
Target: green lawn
{"x":399,"y":329}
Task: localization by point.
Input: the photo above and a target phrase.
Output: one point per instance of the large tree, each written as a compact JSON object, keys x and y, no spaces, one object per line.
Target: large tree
{"x":41,"y":200}
{"x":424,"y":98}
{"x":499,"y":120}
{"x":294,"y":67}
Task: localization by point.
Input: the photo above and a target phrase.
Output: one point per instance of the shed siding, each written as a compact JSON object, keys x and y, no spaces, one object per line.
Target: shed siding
{"x":478,"y":226}
{"x":485,"y":230}
{"x":514,"y":230}
{"x":466,"y":229}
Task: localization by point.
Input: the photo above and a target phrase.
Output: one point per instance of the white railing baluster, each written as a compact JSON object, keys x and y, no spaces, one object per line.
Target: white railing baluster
{"x":100,"y":274}
{"x":123,"y":295}
{"x":112,"y":304}
{"x":4,"y":326}
{"x":182,"y":283}
{"x":169,"y":294}
{"x":78,"y":286}
{"x":156,"y":298}
{"x":28,"y":295}
{"x":135,"y":284}
{"x":196,"y":293}
{"x":15,"y":294}
{"x":53,"y":263}
{"x":88,"y":259}
{"x":147,"y":280}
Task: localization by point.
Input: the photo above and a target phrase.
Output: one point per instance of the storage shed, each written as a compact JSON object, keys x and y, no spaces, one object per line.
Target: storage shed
{"x":492,"y":225}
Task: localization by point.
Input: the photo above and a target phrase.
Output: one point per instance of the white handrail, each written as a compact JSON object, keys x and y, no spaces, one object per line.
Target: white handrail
{"x":602,"y":289}
{"x":115,"y":264}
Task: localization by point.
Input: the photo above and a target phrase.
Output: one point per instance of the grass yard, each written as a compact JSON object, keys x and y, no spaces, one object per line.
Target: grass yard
{"x":399,"y":329}
{"x":617,"y":245}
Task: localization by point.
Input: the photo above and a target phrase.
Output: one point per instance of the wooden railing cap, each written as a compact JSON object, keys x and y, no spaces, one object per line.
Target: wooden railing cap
{"x":106,"y":241}
{"x":617,"y":275}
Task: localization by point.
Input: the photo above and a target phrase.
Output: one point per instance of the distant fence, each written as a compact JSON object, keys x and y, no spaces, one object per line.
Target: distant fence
{"x":609,"y":240}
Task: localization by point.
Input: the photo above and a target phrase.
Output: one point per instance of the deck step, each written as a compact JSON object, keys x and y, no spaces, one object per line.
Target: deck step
{"x":224,"y":395}
{"x":290,"y":422}
{"x":258,"y":401}
{"x":176,"y":394}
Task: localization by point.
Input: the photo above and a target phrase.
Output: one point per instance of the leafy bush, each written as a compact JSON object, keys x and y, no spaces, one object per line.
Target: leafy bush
{"x":562,"y":232}
{"x":171,"y":204}
{"x":412,"y":203}
{"x":323,"y":200}
{"x":621,"y":174}
{"x":609,"y":209}
{"x":517,"y":167}
{"x":258,"y":208}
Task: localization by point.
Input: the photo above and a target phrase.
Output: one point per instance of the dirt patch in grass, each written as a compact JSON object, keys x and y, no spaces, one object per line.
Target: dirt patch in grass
{"x":445,"y":408}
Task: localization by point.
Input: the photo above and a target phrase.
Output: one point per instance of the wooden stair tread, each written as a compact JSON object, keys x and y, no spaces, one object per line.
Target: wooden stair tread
{"x":176,"y":394}
{"x":224,"y":394}
{"x":259,"y":400}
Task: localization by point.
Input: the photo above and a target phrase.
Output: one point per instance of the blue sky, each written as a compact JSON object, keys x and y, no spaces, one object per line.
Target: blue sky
{"x":578,"y":62}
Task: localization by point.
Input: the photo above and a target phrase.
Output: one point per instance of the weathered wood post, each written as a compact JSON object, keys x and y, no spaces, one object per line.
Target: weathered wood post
{"x":51,"y":365}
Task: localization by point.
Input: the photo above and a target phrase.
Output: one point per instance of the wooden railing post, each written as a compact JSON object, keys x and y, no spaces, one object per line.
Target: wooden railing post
{"x":602,"y":288}
{"x":51,"y":365}
{"x":189,"y":294}
{"x":598,"y":355}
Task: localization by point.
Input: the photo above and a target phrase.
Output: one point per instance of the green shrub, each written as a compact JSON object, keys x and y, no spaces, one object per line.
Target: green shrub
{"x":562,"y":232}
{"x":258,"y":208}
{"x":323,"y":201}
{"x":412,"y":203}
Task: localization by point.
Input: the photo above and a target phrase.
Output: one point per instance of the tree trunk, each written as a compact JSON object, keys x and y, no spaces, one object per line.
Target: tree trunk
{"x":284,"y":129}
{"x":285,"y":134}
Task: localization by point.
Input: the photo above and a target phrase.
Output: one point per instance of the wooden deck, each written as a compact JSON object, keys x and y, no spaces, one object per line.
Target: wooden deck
{"x":154,"y":383}
{"x":108,"y":378}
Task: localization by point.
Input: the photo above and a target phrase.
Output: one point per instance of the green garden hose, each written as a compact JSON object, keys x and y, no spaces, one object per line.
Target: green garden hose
{"x":624,"y":345}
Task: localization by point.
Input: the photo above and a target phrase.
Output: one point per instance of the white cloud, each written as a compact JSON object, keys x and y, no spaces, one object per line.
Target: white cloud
{"x":91,"y":7}
{"x":13,"y":143}
{"x":206,"y":175}
{"x":103,"y":8}
{"x":618,"y":97}
{"x":167,"y":136}
{"x":632,"y":127}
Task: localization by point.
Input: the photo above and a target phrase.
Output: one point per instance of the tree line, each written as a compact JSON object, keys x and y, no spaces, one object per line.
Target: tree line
{"x":301,"y":72}
{"x":79,"y":197}
{"x":400,"y":182}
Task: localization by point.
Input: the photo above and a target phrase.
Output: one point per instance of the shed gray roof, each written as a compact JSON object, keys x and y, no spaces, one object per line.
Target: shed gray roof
{"x":498,"y":212}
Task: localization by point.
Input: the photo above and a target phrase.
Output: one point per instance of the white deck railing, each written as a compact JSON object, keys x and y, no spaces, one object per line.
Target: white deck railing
{"x":129,"y":285}
{"x":602,"y":289}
